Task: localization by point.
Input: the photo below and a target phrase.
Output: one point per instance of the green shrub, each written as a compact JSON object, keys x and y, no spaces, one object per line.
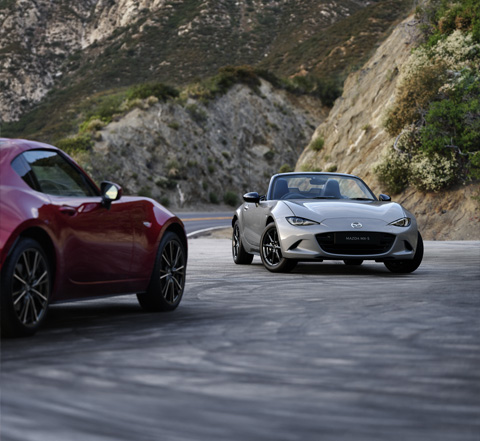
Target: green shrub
{"x":285,"y":168}
{"x":76,"y":144}
{"x":230,"y":198}
{"x":268,"y":156}
{"x":414,"y":94}
{"x":198,"y":114}
{"x":455,"y":120}
{"x":146,"y":90}
{"x":165,"y":201}
{"x":333,"y":168}
{"x":432,"y":173}
{"x":145,"y":192}
{"x":213,"y":198}
{"x":317,"y":143}
{"x":92,"y":124}
{"x":393,"y":171}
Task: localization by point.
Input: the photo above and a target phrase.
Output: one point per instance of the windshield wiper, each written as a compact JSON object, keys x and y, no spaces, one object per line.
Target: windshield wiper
{"x":325,"y":197}
{"x":362,"y":199}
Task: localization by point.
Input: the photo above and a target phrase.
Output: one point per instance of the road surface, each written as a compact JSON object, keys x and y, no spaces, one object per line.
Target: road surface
{"x":196,"y":223}
{"x":328,"y":352}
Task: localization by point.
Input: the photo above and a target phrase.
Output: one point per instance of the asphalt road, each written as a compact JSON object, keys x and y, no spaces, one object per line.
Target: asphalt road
{"x":205,"y":221}
{"x":327,"y":352}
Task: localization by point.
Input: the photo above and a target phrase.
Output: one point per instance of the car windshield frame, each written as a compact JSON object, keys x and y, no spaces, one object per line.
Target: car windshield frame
{"x":313,"y":186}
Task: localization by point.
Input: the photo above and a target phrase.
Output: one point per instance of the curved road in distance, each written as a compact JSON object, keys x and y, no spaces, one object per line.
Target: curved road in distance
{"x":196,"y":222}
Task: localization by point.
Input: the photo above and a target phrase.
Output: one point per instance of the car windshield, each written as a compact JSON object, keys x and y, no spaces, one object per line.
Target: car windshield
{"x":319,"y":186}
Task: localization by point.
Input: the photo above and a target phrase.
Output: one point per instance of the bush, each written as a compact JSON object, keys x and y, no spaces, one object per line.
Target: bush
{"x":213,"y":198}
{"x":285,"y":168}
{"x":268,"y":156}
{"x":92,"y":124}
{"x":146,"y":90}
{"x":393,"y":172}
{"x":76,"y":144}
{"x":455,"y":120}
{"x":317,"y":144}
{"x":198,"y":114}
{"x":230,"y":198}
{"x":432,"y":173}
{"x":414,"y":94}
{"x":438,"y":103}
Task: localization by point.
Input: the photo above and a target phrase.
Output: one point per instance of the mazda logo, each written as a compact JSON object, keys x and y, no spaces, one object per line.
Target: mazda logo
{"x":356,"y":225}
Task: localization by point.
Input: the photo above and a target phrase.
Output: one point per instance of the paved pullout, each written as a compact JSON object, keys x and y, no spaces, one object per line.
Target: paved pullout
{"x":328,"y":352}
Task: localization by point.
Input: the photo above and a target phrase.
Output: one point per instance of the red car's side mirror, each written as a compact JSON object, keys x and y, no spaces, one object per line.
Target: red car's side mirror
{"x":110,"y":192}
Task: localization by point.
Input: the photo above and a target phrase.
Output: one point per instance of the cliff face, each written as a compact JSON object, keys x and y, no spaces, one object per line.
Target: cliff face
{"x":188,"y":154}
{"x":355,"y":140}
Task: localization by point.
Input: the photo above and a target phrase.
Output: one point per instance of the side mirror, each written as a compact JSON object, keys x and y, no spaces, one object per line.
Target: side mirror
{"x":110,"y":192}
{"x":252,"y":197}
{"x":384,"y":198}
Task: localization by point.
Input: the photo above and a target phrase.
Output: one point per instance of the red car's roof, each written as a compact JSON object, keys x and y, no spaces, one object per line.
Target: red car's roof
{"x":18,"y":146}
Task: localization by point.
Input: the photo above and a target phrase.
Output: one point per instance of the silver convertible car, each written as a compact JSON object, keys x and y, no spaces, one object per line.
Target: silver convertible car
{"x":324,"y":216}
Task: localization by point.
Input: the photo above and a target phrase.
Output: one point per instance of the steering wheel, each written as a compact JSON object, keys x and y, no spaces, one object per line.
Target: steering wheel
{"x":48,"y":185}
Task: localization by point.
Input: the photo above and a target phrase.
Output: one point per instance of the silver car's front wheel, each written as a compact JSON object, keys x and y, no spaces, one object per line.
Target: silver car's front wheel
{"x":271,"y":252}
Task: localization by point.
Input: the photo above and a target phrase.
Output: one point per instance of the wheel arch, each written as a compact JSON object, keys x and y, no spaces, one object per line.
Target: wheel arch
{"x":180,"y":232}
{"x":45,"y":241}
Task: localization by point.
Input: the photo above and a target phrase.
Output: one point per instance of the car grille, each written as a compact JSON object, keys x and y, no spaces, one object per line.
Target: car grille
{"x":338,"y":243}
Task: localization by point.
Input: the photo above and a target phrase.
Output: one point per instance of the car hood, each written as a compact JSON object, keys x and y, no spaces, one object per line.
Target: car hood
{"x":321,"y":210}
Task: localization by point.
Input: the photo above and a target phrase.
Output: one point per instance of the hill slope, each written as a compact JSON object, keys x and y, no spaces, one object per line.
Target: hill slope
{"x":75,"y":49}
{"x":188,"y":154}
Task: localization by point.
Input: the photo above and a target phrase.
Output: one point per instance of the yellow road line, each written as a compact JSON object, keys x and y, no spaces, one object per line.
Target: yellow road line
{"x":206,"y":218}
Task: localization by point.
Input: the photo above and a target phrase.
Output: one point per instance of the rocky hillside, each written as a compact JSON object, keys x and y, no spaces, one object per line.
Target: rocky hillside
{"x":355,"y":140}
{"x":75,"y":49}
{"x":191,"y":153}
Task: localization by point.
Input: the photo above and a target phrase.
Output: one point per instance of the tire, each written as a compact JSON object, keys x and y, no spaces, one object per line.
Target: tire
{"x":240,"y":256}
{"x":407,"y":266}
{"x":166,"y":286}
{"x":271,"y":253}
{"x":26,"y":284}
{"x":353,"y":262}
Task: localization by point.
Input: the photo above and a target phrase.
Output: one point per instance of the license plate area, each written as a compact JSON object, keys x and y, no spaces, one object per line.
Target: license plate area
{"x":357,"y":238}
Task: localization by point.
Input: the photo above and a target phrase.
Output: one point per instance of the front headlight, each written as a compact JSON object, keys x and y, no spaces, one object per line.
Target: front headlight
{"x":403,"y":222}
{"x":300,"y":221}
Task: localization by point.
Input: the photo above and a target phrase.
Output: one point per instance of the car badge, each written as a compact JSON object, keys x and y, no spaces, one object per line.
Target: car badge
{"x":356,"y":225}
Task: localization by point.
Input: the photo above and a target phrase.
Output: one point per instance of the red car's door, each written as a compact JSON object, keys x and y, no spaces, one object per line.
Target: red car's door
{"x":94,"y":243}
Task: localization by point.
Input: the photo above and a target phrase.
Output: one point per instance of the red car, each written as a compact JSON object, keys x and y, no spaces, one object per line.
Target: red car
{"x":63,"y":238}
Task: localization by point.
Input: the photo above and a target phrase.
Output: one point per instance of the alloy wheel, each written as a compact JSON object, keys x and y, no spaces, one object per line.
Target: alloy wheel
{"x":172,"y":272}
{"x":30,"y":287}
{"x":236,"y":241}
{"x":271,"y":248}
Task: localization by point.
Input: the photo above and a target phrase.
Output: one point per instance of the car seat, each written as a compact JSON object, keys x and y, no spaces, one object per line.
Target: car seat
{"x":280,"y":189}
{"x":332,"y":189}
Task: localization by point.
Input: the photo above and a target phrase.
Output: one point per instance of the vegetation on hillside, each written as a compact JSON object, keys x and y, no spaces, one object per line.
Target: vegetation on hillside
{"x":76,"y":129}
{"x":436,"y":118}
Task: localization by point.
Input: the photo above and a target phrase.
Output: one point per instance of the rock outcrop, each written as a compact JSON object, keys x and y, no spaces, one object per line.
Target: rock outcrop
{"x":188,"y":154}
{"x":355,"y":140}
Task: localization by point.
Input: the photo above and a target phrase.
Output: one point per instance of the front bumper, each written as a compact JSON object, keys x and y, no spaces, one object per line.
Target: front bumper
{"x":323,"y":241}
